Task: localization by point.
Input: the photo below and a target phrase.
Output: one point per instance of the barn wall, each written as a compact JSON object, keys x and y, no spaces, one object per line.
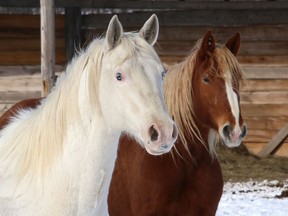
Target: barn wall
{"x":263,"y":55}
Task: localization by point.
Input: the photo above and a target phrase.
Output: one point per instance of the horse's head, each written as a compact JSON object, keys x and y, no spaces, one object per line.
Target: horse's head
{"x":131,"y":81}
{"x":216,"y":89}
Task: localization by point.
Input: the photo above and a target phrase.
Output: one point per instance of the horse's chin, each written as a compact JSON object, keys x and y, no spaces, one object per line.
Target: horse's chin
{"x":214,"y":137}
{"x":231,"y":144}
{"x":153,"y":152}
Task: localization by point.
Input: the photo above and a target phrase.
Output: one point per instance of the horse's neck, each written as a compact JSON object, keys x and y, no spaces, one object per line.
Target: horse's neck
{"x":94,"y":163}
{"x":96,"y":154}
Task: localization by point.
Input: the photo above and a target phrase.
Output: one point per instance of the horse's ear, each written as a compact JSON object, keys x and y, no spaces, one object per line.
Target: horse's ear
{"x":114,"y":33}
{"x":150,"y":30}
{"x":233,"y":44}
{"x":207,"y":45}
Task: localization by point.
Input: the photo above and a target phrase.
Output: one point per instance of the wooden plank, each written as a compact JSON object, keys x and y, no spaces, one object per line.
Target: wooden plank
{"x":274,"y":142}
{"x":29,"y":44}
{"x":12,"y":97}
{"x":222,"y":33}
{"x":243,"y":60}
{"x":194,"y":18}
{"x":25,"y":70}
{"x":265,"y":72}
{"x":247,"y":48}
{"x":264,"y":60}
{"x":259,"y":110}
{"x":17,"y":33}
{"x":24,"y":57}
{"x":23,"y":78}
{"x":20,"y":21}
{"x":196,"y":5}
{"x":265,"y":122}
{"x":31,"y":83}
{"x":267,"y":97}
{"x":28,"y":33}
{"x":160,"y":4}
{"x":264,"y":85}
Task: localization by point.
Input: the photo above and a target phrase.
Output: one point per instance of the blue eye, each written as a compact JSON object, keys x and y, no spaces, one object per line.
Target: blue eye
{"x":119,"y":76}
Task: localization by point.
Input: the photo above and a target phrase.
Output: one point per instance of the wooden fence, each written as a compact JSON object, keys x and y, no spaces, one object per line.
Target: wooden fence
{"x":263,"y":53}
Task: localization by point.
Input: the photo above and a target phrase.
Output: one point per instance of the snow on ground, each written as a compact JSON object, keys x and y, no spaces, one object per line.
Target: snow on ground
{"x":254,"y":199}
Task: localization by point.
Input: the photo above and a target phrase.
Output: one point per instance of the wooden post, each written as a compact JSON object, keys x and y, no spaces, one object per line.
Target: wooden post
{"x":47,"y":45}
{"x":274,"y":142}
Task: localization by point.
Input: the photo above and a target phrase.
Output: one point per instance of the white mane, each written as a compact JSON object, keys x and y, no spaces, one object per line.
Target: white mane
{"x":34,"y":139}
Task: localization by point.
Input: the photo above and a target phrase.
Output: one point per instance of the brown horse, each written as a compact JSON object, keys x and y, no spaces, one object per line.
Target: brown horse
{"x":13,"y":111}
{"x":202,"y":94}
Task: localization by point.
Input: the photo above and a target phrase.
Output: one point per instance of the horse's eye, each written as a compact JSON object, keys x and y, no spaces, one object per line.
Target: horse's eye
{"x":163,"y":73}
{"x":206,"y":80}
{"x":119,"y":76}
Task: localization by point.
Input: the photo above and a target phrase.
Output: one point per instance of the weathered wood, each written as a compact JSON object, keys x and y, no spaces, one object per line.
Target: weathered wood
{"x":264,"y":60}
{"x":22,"y":78}
{"x":24,"y":57}
{"x":247,"y":47}
{"x":248,"y":33}
{"x":27,"y":57}
{"x":47,"y":45}
{"x":163,"y":48}
{"x":73,"y":31}
{"x":272,"y":33}
{"x":265,"y":72}
{"x":20,"y":22}
{"x":28,"y":44}
{"x":264,"y":85}
{"x":196,"y":5}
{"x":256,"y":60}
{"x":261,"y":135}
{"x":264,"y":122}
{"x":12,"y":97}
{"x":255,"y":148}
{"x":195,"y":18}
{"x":20,"y":83}
{"x":254,"y":53}
{"x":264,"y":110}
{"x":274,"y":142}
{"x":267,"y":97}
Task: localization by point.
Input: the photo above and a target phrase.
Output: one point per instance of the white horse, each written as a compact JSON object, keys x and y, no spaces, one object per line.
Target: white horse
{"x":58,"y":159}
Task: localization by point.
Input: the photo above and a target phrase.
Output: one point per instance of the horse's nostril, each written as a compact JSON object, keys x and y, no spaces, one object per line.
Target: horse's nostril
{"x":153,"y":134}
{"x":227,"y":129}
{"x":175,"y":132}
{"x":244,"y":132}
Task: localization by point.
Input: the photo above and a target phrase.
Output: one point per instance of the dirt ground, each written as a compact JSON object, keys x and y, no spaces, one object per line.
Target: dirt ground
{"x":238,"y":165}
